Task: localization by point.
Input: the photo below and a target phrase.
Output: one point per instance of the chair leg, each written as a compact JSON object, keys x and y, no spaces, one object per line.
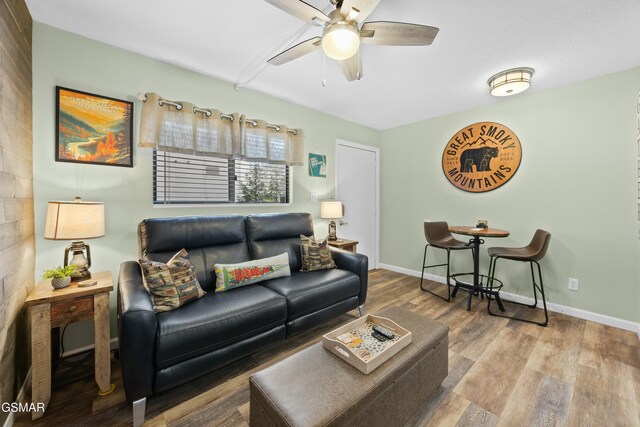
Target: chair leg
{"x":455,"y":290}
{"x":533,"y":285}
{"x":448,"y":275}
{"x":424,"y":263}
{"x":490,"y":280}
{"x":499,"y":302}
{"x":425,"y":266}
{"x":544,"y":299}
{"x":492,"y":273}
{"x":457,"y":286}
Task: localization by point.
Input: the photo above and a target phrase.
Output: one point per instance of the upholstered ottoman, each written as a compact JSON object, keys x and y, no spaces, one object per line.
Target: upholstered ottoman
{"x":315,"y":388}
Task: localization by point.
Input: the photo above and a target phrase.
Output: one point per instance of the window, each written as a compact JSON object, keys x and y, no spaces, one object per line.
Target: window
{"x":188,"y":179}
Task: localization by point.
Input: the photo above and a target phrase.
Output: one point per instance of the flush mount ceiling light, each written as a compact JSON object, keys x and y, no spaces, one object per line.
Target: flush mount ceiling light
{"x":511,"y":82}
{"x":341,"y":40}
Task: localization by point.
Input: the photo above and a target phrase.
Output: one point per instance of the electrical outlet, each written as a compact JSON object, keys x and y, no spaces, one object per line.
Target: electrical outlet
{"x":573,"y":284}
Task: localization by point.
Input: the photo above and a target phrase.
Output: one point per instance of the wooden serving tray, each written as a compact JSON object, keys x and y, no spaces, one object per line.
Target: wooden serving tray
{"x":371,"y":353}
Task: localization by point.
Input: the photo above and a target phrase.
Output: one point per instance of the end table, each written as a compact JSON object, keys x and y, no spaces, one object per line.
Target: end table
{"x":347,"y":245}
{"x":52,"y":308}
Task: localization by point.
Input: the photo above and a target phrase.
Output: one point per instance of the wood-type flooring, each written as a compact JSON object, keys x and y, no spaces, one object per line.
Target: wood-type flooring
{"x":501,"y":373}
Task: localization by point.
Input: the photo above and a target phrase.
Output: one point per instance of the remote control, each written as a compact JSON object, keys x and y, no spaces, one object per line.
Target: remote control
{"x":384,"y":332}
{"x":379,"y":336}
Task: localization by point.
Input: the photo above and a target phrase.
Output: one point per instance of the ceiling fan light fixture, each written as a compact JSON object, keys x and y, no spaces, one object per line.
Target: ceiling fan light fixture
{"x":510,"y":82}
{"x":340,"y":40}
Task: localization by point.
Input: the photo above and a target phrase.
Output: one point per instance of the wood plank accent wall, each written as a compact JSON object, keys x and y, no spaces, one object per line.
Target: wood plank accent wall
{"x":17,"y":245}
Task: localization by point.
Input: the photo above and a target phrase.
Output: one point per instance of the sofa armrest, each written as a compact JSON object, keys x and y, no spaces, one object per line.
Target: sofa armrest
{"x":356,"y":263}
{"x":136,"y":333}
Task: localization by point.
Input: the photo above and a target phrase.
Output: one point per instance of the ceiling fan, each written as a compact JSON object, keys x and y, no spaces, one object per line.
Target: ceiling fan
{"x":344,"y":31}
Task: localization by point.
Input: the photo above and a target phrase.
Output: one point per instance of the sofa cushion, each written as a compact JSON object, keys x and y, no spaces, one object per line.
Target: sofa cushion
{"x":272,"y":234}
{"x":210,"y":240}
{"x":173,"y":284}
{"x":307,"y":292}
{"x":215,"y":321}
{"x":230,"y":276}
{"x":315,"y":255}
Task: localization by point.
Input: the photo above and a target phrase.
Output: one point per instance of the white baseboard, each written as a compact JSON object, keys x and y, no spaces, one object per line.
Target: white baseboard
{"x":414,"y":273}
{"x":21,"y":397}
{"x":113,"y":344}
{"x":557,"y":308}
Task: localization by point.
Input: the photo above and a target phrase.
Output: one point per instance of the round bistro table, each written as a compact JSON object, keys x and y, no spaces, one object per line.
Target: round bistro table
{"x":476,"y":241}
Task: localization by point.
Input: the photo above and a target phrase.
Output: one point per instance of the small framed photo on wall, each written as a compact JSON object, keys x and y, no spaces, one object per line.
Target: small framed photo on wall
{"x":93,"y":129}
{"x":318,"y":165}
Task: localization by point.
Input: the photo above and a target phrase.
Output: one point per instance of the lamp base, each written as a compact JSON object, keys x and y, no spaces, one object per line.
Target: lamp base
{"x":79,"y":259}
{"x":75,"y":277}
{"x":332,"y":231}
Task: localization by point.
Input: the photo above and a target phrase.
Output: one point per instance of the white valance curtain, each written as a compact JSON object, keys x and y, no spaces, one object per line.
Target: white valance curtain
{"x":181,"y":127}
{"x":273,"y":143}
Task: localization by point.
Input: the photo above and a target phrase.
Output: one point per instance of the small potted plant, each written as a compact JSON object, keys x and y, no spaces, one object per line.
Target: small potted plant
{"x":60,"y":276}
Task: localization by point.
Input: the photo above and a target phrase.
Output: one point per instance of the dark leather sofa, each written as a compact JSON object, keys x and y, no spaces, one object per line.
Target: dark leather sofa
{"x":161,"y":351}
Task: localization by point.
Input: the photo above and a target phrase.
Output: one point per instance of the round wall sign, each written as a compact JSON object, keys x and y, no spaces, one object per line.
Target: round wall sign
{"x":481,"y":157}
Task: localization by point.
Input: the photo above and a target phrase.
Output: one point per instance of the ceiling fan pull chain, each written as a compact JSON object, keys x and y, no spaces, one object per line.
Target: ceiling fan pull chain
{"x":324,"y":70}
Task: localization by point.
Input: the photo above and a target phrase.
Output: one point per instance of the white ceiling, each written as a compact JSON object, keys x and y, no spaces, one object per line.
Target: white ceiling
{"x":563,"y":40}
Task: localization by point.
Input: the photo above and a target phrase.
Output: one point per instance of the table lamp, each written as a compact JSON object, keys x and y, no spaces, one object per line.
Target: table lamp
{"x":331,"y":210}
{"x":76,"y":221}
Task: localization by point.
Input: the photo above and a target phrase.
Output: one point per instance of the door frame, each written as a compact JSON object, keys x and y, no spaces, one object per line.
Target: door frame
{"x":377,"y":187}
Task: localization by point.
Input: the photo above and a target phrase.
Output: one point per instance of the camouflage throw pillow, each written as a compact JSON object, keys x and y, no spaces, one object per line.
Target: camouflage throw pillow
{"x":173,"y":284}
{"x":315,"y":255}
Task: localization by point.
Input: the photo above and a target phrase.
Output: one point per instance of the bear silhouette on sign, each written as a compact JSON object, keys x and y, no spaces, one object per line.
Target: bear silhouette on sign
{"x":478,"y":157}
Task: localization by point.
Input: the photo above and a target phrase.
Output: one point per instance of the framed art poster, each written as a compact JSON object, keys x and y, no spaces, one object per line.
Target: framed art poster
{"x":318,"y":165}
{"x":93,"y":129}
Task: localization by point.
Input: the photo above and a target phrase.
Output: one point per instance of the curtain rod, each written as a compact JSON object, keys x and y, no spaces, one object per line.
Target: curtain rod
{"x":270,"y":126}
{"x":142,"y":97}
{"x":161,"y":102}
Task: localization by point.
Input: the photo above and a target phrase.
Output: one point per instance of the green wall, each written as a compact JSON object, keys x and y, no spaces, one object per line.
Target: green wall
{"x":577,"y":179}
{"x":65,"y":59}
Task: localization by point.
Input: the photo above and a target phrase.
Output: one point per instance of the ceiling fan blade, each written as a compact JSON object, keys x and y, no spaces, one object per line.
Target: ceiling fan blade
{"x":397,"y":34}
{"x":296,"y":51}
{"x":301,"y":10}
{"x":352,"y":67}
{"x":360,"y":8}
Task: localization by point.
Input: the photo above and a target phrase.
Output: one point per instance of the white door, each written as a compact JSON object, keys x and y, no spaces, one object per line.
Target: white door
{"x":357,"y":188}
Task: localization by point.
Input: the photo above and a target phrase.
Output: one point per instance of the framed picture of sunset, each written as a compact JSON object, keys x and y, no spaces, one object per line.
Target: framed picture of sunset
{"x":93,"y":129}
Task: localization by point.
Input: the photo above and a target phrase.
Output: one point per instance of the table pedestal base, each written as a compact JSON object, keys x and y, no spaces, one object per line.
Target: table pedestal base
{"x":489,"y":291}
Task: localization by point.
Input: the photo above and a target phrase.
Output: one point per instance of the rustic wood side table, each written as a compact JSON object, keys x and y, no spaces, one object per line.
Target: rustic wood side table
{"x":347,"y":245}
{"x":51,"y":308}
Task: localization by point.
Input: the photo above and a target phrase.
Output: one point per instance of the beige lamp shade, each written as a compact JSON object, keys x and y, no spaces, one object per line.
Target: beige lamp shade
{"x":77,"y":220}
{"x":331,"y":209}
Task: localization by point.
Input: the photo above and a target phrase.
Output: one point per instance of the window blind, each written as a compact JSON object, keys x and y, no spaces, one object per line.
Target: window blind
{"x":188,"y":179}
